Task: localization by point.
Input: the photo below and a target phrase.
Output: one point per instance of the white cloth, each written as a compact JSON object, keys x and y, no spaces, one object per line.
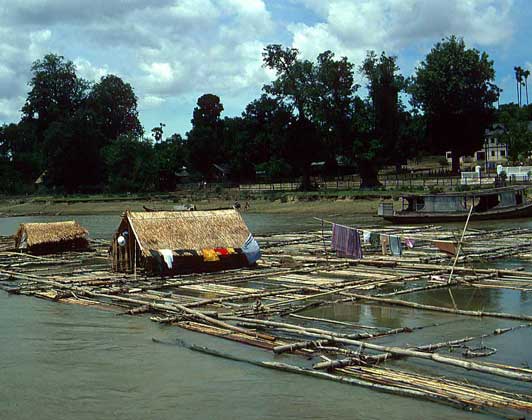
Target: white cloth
{"x":168,"y":256}
{"x":366,"y":236}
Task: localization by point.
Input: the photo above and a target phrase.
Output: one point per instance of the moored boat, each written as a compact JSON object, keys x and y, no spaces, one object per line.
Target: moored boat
{"x":490,"y":204}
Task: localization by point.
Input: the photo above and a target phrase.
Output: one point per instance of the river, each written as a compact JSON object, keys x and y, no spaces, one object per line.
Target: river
{"x":60,"y":361}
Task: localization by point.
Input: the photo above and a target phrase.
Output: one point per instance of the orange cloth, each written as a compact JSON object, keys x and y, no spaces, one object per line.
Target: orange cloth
{"x":448,"y":247}
{"x":209,"y":254}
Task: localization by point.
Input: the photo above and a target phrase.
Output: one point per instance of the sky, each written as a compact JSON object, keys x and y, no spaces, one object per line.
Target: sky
{"x":173,"y":51}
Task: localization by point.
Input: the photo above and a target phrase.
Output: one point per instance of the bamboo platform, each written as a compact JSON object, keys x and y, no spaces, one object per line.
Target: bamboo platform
{"x":268,"y":307}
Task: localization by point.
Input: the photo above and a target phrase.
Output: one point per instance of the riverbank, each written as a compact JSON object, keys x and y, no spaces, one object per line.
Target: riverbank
{"x":291,"y":203}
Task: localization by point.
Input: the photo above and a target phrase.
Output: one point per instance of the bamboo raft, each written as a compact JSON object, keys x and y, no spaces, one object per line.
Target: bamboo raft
{"x":270,"y":307}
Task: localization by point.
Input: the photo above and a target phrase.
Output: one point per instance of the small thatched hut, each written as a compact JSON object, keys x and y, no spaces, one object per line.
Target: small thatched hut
{"x":169,"y":242}
{"x":49,"y":238}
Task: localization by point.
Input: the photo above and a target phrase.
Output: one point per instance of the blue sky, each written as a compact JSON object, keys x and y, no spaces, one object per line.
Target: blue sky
{"x":172,"y":51}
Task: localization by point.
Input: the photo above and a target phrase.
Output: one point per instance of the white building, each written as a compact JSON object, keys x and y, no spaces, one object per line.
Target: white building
{"x":493,"y":153}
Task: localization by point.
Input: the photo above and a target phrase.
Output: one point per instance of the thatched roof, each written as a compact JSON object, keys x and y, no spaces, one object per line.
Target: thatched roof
{"x":188,"y":230}
{"x":41,"y":233}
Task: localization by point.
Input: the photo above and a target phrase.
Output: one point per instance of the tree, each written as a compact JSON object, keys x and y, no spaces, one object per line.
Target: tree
{"x":455,"y":89}
{"x":519,"y":83}
{"x":332,"y":105}
{"x":294,"y":85}
{"x":157,"y":132}
{"x":170,"y":156}
{"x":114,"y":105}
{"x":516,"y":134}
{"x":56,"y":92}
{"x":205,"y":139}
{"x":526,"y":73}
{"x":130,"y":164}
{"x":384,"y":87}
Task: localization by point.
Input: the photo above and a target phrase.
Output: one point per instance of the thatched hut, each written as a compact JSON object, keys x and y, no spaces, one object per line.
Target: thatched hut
{"x":50,"y":238}
{"x":166,"y":242}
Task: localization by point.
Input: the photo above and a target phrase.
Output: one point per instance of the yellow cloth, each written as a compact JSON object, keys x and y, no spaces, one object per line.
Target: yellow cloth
{"x":210,"y":254}
{"x":231,"y":251}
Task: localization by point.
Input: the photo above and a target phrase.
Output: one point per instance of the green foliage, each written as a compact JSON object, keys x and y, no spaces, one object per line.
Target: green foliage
{"x":130,"y":165}
{"x":454,"y":86}
{"x":113,"y":104}
{"x":205,"y":140}
{"x":516,"y":133}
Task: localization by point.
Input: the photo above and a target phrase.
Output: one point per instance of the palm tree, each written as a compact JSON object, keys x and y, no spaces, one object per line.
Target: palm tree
{"x":526,"y":73}
{"x":519,"y":81}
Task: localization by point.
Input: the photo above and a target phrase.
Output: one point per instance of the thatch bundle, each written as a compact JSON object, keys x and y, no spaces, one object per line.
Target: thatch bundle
{"x":188,"y":230}
{"x":51,"y":237}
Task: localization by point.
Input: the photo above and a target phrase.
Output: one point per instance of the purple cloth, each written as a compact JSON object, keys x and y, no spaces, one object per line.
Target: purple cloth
{"x":346,"y":242}
{"x":410,"y":243}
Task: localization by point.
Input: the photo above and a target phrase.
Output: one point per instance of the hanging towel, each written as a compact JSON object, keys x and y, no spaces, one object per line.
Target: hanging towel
{"x":396,"y":247}
{"x":410,"y":243}
{"x":367,"y":236}
{"x":210,"y":254}
{"x":346,"y":242}
{"x":384,"y":244}
{"x":449,"y":247}
{"x":168,"y":257}
{"x":251,"y":249}
{"x":375,"y":240}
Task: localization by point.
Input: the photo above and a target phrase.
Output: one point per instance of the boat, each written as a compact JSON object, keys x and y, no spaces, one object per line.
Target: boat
{"x":488,"y":204}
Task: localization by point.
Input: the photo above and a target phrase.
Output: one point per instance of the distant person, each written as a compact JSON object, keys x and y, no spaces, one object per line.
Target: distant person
{"x":246,"y":206}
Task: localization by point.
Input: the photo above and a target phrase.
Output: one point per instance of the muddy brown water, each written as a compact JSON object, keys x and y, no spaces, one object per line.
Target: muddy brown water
{"x":60,"y":361}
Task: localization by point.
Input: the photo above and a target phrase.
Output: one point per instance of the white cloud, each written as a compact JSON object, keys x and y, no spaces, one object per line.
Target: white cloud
{"x":89,"y":71}
{"x":352,"y":27}
{"x":172,"y":51}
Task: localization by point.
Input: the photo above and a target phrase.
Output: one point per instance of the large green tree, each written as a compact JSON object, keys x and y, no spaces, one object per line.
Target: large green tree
{"x":56,"y":92}
{"x":205,"y":139}
{"x":114,"y":105}
{"x":454,"y":86}
{"x":384,"y":85}
{"x":320,"y":95}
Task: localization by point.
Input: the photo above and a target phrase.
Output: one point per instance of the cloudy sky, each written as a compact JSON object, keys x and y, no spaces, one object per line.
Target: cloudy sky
{"x":172,"y":51}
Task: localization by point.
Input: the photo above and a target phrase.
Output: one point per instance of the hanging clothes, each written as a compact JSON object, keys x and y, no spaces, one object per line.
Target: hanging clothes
{"x":449,"y":247}
{"x":221,"y":251}
{"x":209,"y":255}
{"x":375,"y":240}
{"x":384,"y":244}
{"x":396,"y":248}
{"x":159,"y":264}
{"x":168,"y":257}
{"x":366,"y":236}
{"x":410,"y":243}
{"x":346,"y":242}
{"x":251,"y":249}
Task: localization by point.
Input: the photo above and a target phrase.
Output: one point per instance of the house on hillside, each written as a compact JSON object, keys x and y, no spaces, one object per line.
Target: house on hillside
{"x":166,"y":242}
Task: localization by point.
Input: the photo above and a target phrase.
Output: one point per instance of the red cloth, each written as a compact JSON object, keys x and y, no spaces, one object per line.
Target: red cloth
{"x":221,"y":251}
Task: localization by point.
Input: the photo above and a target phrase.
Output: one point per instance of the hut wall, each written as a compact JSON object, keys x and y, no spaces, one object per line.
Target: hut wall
{"x":77,"y":244}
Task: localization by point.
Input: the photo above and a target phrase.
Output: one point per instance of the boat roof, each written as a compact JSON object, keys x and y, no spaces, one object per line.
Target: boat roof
{"x":476,"y":193}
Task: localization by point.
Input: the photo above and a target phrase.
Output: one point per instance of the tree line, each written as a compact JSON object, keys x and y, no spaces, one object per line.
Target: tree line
{"x":86,"y":137}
